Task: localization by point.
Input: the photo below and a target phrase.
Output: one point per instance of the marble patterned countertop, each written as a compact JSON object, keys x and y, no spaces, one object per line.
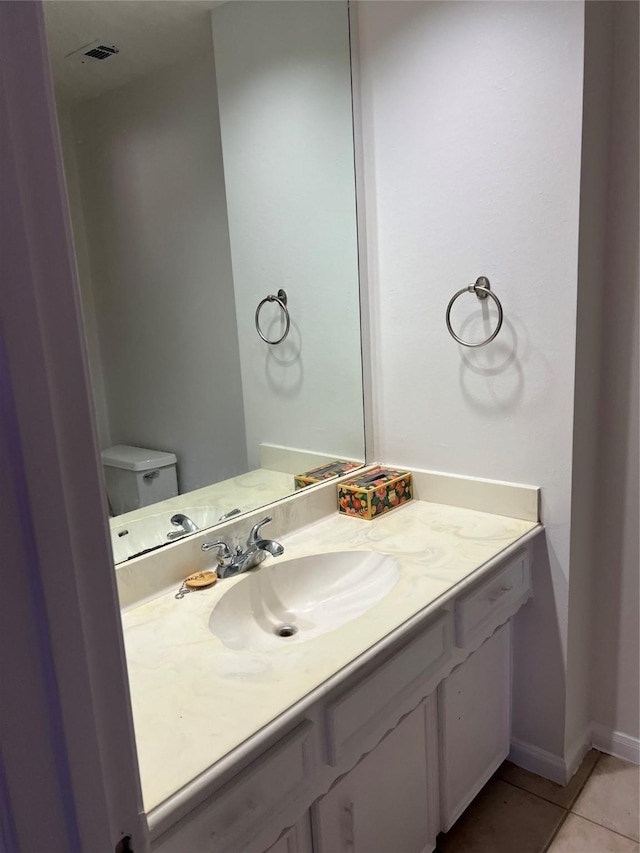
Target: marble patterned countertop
{"x":195,"y":700}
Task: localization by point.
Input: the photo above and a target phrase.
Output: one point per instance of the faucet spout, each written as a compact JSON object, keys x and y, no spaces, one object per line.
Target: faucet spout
{"x":230,"y":563}
{"x":274,"y":548}
{"x":184,"y":523}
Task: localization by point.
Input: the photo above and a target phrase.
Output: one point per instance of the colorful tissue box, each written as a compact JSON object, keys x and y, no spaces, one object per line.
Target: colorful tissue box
{"x":374,"y":493}
{"x":324,"y":472}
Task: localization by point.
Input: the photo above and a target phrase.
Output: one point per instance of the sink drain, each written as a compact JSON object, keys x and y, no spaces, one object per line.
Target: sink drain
{"x":285,"y":630}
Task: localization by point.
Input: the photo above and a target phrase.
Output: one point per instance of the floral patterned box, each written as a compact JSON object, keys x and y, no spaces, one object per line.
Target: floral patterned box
{"x":324,"y":472}
{"x":374,"y":493}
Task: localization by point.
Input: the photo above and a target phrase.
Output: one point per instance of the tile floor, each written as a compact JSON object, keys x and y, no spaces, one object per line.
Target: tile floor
{"x":519,"y":812}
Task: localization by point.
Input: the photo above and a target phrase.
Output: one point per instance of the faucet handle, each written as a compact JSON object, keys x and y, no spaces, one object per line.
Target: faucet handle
{"x":224,"y":552}
{"x":252,"y":538}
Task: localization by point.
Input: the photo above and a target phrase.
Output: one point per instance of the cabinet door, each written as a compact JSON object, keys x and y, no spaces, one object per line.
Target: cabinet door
{"x":474,"y":716}
{"x":295,"y":840}
{"x":383,"y":804}
{"x":267,"y":795}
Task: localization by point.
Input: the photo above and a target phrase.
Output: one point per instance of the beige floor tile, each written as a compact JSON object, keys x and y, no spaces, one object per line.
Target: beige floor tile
{"x":610,"y":796}
{"x":562,"y":796}
{"x":578,"y":835}
{"x":503,"y":819}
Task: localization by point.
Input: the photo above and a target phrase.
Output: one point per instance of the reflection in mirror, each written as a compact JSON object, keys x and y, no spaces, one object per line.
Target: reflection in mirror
{"x":208,"y":153}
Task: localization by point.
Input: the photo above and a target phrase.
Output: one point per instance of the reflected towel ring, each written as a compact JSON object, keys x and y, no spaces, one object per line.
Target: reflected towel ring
{"x":482,"y":289}
{"x":281,"y":299}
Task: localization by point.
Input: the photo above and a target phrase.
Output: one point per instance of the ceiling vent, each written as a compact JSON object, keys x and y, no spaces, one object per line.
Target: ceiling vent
{"x":95,"y":51}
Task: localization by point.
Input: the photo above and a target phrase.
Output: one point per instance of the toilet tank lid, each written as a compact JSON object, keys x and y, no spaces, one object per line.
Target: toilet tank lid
{"x":136,"y":458}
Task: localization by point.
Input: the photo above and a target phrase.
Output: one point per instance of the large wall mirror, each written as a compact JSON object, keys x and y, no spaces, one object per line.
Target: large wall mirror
{"x":208,"y":152}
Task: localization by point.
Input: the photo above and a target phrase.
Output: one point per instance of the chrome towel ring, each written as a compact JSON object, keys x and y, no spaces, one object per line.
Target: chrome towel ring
{"x":281,"y":299}
{"x":482,"y":289}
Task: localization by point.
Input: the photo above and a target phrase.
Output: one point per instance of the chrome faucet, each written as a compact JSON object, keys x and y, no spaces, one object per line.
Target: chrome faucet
{"x":232,"y":563}
{"x":229,"y":514}
{"x":184,"y":523}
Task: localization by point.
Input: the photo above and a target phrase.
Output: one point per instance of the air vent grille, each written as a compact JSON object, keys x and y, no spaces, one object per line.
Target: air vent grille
{"x":101,"y":52}
{"x":95,"y":51}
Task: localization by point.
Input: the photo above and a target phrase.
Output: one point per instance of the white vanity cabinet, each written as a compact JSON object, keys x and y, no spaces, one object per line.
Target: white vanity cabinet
{"x":474,"y":722}
{"x":422,"y":776}
{"x":270,"y":793}
{"x":383,"y":804}
{"x":296,"y":839}
{"x":390,"y":754}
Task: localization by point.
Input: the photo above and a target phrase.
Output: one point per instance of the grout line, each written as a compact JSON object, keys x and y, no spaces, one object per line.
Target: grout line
{"x":566,"y":809}
{"x":588,"y":776}
{"x":602,"y":826}
{"x":544,"y":800}
{"x":534,"y":794}
{"x":547,"y":800}
{"x":569,"y":811}
{"x":556,"y":831}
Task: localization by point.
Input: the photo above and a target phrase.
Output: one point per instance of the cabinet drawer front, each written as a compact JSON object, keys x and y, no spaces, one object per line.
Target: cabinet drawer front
{"x":493,"y":596}
{"x":370,"y":706}
{"x":251,"y":800}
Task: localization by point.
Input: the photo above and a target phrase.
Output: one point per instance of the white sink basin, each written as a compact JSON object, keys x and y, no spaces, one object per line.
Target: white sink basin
{"x":293,"y":601}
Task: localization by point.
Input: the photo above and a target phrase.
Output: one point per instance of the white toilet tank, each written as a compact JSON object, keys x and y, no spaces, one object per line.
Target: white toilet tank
{"x":137,"y":477}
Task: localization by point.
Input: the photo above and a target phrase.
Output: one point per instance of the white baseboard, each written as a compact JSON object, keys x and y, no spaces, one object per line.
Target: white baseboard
{"x":561,"y":770}
{"x":538,"y":761}
{"x":615,"y":743}
{"x":574,"y":757}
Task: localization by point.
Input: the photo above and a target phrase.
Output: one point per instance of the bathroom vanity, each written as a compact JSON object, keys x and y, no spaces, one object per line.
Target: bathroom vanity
{"x":372,"y":736}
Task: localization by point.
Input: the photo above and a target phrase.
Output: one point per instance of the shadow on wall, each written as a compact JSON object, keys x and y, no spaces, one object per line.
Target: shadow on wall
{"x":492,"y":378}
{"x":497,"y":359}
{"x":537,"y":690}
{"x":283,"y":366}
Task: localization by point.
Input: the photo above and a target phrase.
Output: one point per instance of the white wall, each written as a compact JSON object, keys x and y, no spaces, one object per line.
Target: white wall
{"x":472,"y":116}
{"x":285,"y":112}
{"x":594,"y":182}
{"x":83,"y":266}
{"x":615,"y":632}
{"x":150,"y":170}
